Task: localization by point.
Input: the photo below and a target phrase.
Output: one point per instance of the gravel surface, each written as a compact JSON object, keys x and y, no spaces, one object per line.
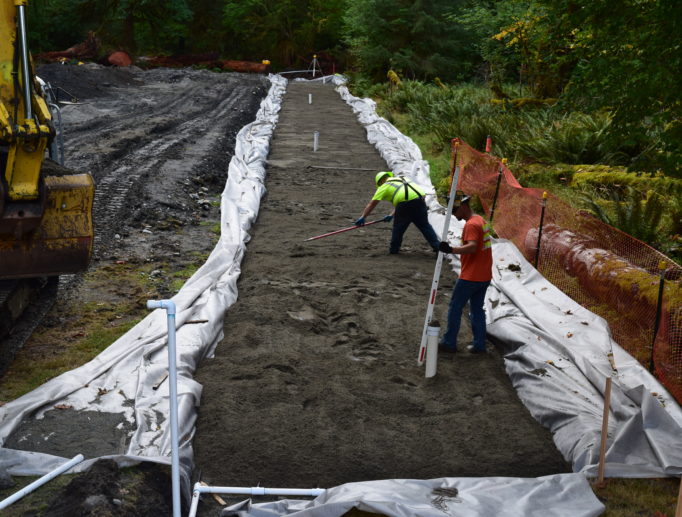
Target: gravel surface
{"x":315,"y":383}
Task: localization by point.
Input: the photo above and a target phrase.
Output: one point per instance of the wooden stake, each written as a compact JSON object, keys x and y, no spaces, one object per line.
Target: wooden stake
{"x":678,"y":512}
{"x":218,"y":499}
{"x":604,"y":432}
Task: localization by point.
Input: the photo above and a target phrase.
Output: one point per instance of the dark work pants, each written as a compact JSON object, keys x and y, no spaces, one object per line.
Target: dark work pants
{"x":463,"y":292}
{"x":407,"y":212}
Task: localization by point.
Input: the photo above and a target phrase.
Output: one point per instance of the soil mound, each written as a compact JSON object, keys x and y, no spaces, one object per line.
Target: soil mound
{"x":105,"y":490}
{"x":90,"y":80}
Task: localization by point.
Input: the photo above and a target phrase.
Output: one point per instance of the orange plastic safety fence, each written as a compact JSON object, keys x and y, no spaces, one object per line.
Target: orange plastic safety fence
{"x":607,"y":271}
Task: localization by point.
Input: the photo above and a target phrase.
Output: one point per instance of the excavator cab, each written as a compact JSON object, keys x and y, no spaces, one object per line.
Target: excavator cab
{"x":45,"y":209}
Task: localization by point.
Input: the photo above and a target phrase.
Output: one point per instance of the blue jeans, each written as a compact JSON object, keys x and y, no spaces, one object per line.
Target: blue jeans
{"x":463,"y":292}
{"x":407,"y":212}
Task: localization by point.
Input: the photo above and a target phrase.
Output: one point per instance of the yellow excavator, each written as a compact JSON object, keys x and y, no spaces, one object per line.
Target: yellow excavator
{"x":45,"y":210}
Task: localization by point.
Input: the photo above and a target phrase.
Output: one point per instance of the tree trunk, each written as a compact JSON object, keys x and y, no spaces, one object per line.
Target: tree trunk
{"x":129,"y":32}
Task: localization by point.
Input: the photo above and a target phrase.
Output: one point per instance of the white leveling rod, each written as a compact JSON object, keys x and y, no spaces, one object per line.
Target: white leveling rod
{"x":439,"y":264}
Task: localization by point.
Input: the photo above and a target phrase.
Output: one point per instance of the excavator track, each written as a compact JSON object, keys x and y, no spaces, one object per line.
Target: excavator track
{"x":23,"y":305}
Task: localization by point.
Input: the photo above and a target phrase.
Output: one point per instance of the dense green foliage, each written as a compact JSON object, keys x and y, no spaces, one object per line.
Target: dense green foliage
{"x":625,"y":57}
{"x":620,"y":64}
{"x":147,"y":25}
{"x":524,"y":133}
{"x":568,"y":81}
{"x":415,"y":38}
{"x":284,"y":31}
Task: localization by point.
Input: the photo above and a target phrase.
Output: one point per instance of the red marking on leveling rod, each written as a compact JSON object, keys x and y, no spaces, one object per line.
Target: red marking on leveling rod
{"x":421,"y":354}
{"x":433,"y":296}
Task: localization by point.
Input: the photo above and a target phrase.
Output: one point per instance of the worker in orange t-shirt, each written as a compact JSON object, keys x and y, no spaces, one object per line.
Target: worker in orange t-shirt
{"x":474,"y":279}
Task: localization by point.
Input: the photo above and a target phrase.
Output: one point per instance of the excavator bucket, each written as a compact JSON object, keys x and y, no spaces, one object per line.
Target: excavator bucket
{"x":53,"y":236}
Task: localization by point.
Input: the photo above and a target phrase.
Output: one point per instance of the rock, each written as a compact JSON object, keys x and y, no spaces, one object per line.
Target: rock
{"x":119,"y":58}
{"x":95,"y":503}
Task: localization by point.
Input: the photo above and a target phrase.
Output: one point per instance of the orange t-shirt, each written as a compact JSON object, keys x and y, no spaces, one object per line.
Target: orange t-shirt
{"x":478,"y":266}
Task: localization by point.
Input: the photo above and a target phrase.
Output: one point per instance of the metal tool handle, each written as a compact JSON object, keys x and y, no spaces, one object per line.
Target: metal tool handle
{"x":343,"y":230}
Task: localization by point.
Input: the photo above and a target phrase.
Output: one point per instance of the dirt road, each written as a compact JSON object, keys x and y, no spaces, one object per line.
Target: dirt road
{"x":157,"y":143}
{"x":316,"y":383}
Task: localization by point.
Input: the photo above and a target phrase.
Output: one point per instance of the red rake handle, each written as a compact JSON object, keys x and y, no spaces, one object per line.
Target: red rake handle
{"x":343,"y":230}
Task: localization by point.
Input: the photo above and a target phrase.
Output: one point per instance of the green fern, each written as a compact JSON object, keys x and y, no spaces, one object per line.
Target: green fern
{"x":628,"y":210}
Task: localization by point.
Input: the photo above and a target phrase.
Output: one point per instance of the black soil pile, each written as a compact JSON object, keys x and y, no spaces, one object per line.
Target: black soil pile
{"x":74,"y":83}
{"x":107,"y":491}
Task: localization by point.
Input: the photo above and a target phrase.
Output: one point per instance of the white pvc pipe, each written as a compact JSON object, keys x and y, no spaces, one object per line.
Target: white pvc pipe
{"x":310,"y":98}
{"x":41,"y":481}
{"x":432,"y":333}
{"x":316,"y":140}
{"x":195,"y":501}
{"x":173,"y":401}
{"x":253,"y":491}
{"x":235,"y":490}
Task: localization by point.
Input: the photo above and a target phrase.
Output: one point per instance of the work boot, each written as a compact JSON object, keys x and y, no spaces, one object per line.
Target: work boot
{"x":444,"y":348}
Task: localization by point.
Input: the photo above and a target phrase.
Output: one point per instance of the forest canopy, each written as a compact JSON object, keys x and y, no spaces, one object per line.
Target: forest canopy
{"x":623,"y":57}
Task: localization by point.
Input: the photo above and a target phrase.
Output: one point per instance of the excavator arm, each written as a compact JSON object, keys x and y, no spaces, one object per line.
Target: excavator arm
{"x":45,"y":212}
{"x":24,"y":116}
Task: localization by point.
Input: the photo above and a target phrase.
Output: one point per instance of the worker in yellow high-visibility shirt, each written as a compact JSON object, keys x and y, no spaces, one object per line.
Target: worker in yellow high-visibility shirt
{"x":409,"y":207}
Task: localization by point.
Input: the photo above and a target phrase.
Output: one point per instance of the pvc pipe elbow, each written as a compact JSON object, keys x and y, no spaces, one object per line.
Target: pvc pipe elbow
{"x":169,"y":305}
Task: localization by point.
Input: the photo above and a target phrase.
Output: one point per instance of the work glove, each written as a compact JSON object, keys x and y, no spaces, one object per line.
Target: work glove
{"x":444,"y":247}
{"x":388,"y":218}
{"x":360,"y":222}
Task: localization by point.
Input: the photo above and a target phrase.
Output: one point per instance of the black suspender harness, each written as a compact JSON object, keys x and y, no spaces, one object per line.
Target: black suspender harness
{"x":406,"y":185}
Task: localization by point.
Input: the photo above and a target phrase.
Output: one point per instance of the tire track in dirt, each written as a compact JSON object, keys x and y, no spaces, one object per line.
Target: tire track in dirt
{"x":168,"y":129}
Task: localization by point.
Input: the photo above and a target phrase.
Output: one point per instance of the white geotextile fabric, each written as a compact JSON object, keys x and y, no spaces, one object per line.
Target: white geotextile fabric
{"x":560,"y":357}
{"x":138,"y":360}
{"x":560,"y":495}
{"x":132,"y":365}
